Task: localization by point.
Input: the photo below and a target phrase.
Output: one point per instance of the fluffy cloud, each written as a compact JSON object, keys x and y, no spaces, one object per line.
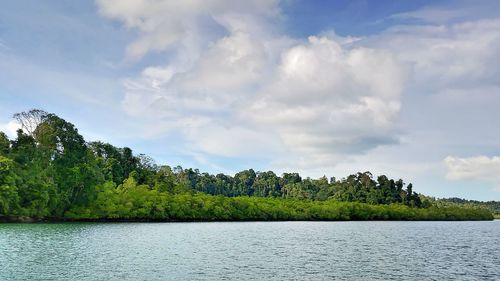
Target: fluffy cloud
{"x":327,"y":99}
{"x":483,"y":168}
{"x":235,"y":87}
{"x":247,"y":92}
{"x":206,"y":93}
{"x":164,"y":24}
{"x":10,"y":128}
{"x":309,"y":102}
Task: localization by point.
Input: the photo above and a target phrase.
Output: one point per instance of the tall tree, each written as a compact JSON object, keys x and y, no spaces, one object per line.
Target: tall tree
{"x":243,"y":182}
{"x":30,"y":120}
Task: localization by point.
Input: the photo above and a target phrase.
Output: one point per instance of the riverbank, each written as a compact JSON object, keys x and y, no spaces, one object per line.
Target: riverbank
{"x":206,"y":208}
{"x":19,"y":219}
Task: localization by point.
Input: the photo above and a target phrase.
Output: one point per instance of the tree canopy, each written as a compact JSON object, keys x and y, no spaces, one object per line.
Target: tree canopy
{"x":50,"y":171}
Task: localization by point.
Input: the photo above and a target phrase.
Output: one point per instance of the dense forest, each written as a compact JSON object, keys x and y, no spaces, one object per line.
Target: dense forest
{"x":492,"y":206}
{"x":50,"y":172}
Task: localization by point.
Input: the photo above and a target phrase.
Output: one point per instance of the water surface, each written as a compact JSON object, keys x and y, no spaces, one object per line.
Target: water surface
{"x":251,"y":251}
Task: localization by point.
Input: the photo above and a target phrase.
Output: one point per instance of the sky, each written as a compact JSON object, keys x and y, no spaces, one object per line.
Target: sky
{"x":409,"y":89}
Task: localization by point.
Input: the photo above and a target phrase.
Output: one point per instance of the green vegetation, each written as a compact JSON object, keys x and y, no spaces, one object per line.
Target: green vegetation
{"x":138,"y":202}
{"x":492,"y":206}
{"x":49,"y":171}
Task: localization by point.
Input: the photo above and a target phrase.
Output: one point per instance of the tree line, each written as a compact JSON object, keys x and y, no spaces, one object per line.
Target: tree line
{"x":492,"y":206}
{"x":50,"y":171}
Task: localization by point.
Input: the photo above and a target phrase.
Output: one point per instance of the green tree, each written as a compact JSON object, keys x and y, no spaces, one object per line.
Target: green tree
{"x":243,"y":182}
{"x":4,"y":144}
{"x":9,"y":198}
{"x":266,"y":184}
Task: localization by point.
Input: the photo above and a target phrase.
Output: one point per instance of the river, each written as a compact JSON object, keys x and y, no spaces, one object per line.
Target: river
{"x":251,"y":251}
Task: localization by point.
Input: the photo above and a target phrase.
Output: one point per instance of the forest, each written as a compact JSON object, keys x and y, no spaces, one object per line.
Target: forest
{"x":49,"y":172}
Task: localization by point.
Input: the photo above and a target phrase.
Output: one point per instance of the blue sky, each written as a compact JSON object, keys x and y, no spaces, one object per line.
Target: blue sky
{"x":405,"y":88}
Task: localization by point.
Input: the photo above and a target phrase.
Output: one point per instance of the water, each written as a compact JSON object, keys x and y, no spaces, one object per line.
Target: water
{"x":251,"y":251}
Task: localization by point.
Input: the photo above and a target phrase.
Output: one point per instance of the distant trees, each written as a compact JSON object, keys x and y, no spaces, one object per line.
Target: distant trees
{"x":243,"y":182}
{"x":266,"y":184}
{"x":49,"y":170}
{"x":131,"y":201}
{"x":492,"y":206}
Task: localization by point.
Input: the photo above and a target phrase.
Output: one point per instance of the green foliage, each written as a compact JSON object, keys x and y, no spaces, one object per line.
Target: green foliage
{"x":49,"y":171}
{"x":4,"y":144}
{"x":9,"y":198}
{"x":492,"y":206}
{"x":138,"y":202}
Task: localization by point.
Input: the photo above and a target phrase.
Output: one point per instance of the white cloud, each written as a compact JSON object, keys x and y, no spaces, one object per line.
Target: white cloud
{"x":163,"y":24}
{"x":451,"y":11}
{"x":482,"y":168}
{"x":327,"y":99}
{"x":234,"y":87}
{"x":432,"y":15}
{"x":10,"y":128}
{"x":233,"y":141}
{"x":457,"y":55}
{"x":307,"y":103}
{"x":247,"y":92}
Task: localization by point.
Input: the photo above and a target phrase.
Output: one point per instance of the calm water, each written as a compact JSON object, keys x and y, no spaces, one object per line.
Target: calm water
{"x":251,"y":251}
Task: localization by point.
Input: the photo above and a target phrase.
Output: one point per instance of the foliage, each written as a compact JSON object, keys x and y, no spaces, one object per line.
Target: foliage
{"x":49,"y":171}
{"x":9,"y":198}
{"x":492,"y":206}
{"x":130,"y":201}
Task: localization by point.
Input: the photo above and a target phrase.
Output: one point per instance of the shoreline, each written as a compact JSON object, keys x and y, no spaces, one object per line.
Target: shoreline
{"x":30,"y":220}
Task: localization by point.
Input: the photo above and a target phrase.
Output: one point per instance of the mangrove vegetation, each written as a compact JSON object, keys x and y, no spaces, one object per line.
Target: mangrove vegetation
{"x":48,"y":171}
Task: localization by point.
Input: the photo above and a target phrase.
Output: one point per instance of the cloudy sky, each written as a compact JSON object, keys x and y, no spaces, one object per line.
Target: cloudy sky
{"x":410,"y":89}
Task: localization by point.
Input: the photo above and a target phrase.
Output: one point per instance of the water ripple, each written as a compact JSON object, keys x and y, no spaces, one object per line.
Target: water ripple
{"x":251,"y":251}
